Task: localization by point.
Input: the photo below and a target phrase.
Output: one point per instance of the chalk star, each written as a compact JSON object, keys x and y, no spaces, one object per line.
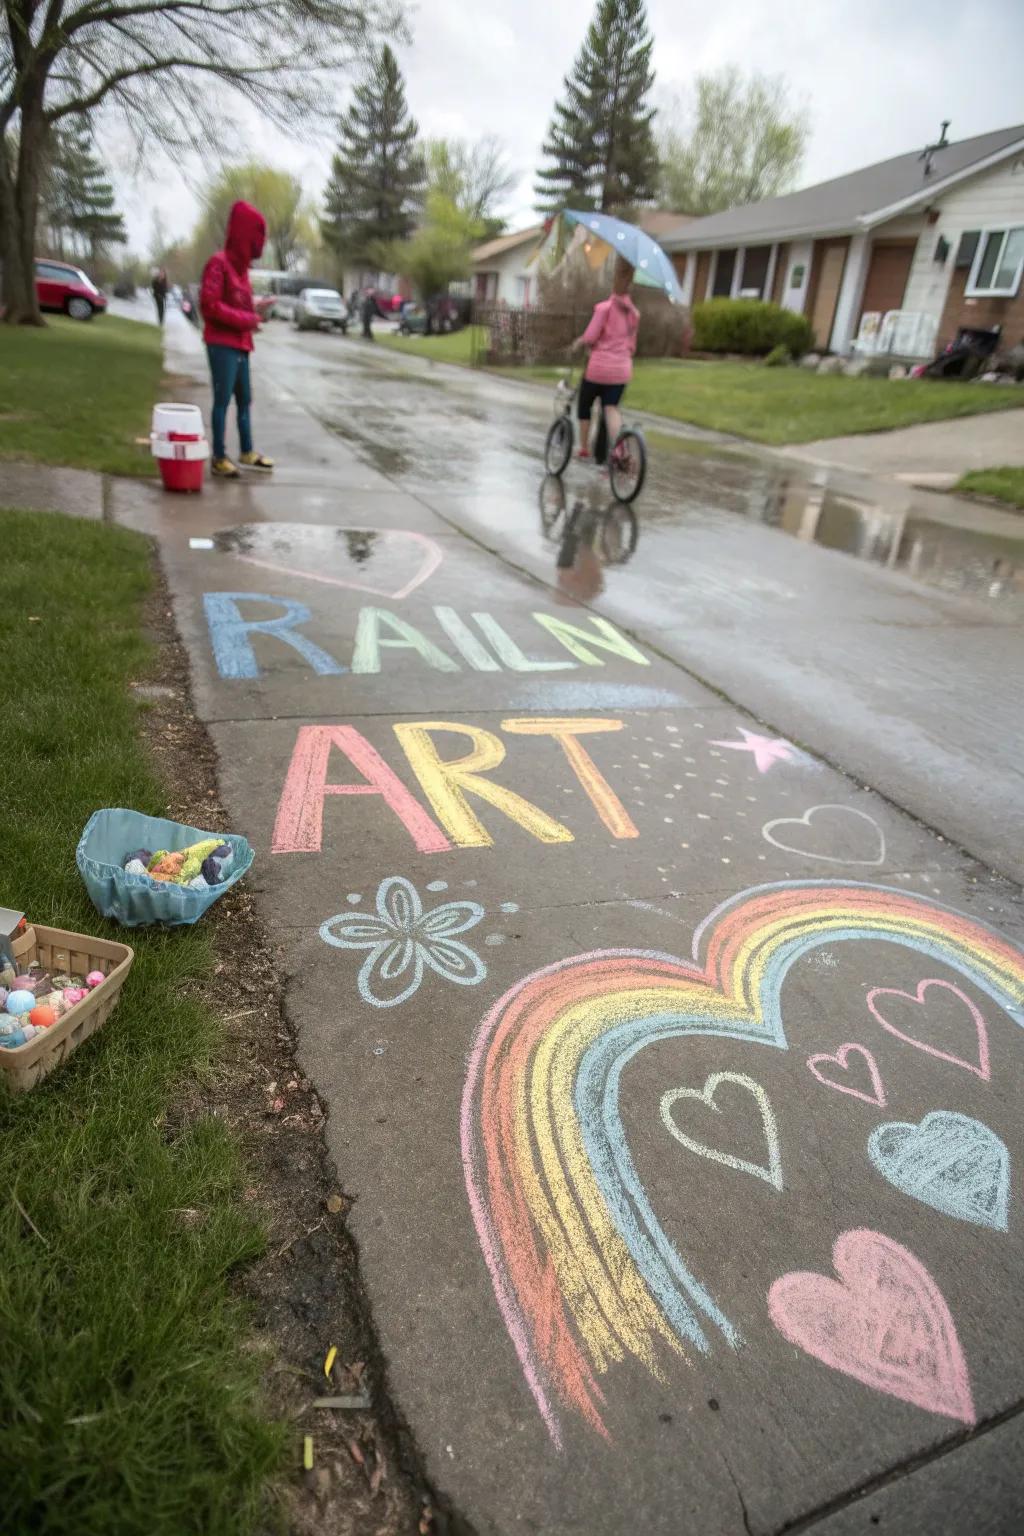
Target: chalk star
{"x":766,"y":749}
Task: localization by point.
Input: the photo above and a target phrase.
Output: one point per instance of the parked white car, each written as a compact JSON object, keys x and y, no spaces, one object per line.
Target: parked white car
{"x":320,"y":309}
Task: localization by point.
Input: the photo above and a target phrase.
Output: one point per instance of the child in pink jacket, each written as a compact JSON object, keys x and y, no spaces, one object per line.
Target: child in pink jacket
{"x":611,"y":337}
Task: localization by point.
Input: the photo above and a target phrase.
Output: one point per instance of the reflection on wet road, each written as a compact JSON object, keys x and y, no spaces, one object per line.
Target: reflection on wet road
{"x":432,"y":432}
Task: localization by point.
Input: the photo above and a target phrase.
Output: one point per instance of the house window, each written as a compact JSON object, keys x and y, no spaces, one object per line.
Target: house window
{"x":756,"y":260}
{"x":998,"y":263}
{"x":722,"y":286}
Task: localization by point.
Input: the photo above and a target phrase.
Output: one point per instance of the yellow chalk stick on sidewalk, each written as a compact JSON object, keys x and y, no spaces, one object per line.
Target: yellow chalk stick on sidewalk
{"x":307,"y":1453}
{"x":332,"y":1355}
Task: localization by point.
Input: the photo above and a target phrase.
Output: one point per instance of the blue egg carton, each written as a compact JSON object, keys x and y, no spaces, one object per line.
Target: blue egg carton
{"x":134,"y":900}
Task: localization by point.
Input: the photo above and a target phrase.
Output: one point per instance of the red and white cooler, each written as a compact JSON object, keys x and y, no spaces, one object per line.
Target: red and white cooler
{"x":179,"y":445}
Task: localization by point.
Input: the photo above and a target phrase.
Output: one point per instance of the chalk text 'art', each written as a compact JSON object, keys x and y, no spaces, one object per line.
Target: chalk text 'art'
{"x":447,"y":783}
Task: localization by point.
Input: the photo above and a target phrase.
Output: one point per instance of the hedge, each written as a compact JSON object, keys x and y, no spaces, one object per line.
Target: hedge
{"x":748,"y":325}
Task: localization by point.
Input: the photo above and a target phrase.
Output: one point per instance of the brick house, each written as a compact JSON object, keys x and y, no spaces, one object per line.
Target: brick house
{"x":933,"y":239}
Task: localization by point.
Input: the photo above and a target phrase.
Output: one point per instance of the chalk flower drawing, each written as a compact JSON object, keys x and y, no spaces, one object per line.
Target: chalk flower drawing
{"x":403,"y":940}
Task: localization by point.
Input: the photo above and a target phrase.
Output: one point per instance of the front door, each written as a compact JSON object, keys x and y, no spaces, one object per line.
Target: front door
{"x":887,"y":276}
{"x":832,"y":258}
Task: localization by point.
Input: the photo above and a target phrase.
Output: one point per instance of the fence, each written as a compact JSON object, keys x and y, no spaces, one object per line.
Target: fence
{"x":541,"y":334}
{"x":504,"y":337}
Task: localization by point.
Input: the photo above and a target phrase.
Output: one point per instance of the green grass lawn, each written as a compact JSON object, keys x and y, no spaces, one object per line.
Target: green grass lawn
{"x":456,"y":347}
{"x":791,"y":405}
{"x":1006,"y":484}
{"x":79,"y":393}
{"x":129,"y":1394}
{"x":767,"y":405}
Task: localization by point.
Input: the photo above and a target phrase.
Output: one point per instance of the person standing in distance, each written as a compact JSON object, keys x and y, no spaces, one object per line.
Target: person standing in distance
{"x":230,"y":320}
{"x":158,"y":288}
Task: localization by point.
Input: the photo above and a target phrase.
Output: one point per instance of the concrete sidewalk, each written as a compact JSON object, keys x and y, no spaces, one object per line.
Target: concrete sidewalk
{"x":936,"y":453}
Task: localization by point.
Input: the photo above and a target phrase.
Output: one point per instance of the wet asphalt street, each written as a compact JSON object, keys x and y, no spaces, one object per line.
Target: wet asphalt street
{"x":645,"y":892}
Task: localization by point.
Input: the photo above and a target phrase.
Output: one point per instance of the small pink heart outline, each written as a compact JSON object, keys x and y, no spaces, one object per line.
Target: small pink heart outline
{"x":982,"y":1069}
{"x":840,"y":1058}
{"x":432,"y":557}
{"x":884,"y":1322}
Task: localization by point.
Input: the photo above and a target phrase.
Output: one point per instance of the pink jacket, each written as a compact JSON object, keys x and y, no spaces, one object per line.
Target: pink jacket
{"x":611,"y":335}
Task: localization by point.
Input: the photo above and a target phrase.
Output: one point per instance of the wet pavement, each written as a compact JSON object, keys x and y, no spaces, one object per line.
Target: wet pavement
{"x":884,"y":631}
{"x":674,"y":1073}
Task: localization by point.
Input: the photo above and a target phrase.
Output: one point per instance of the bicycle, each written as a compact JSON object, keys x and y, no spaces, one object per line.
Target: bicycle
{"x":627,"y":461}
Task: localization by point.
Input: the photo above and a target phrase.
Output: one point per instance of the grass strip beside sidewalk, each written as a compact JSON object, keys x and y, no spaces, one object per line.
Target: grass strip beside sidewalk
{"x":78,"y":393}
{"x":128,"y":1393}
{"x":766,"y":405}
{"x":1004,"y":484}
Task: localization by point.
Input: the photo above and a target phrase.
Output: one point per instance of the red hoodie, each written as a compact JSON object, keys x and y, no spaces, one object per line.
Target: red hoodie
{"x":225,"y":297}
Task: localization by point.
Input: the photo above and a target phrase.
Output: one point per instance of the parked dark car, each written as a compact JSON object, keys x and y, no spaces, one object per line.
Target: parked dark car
{"x":67,"y":289}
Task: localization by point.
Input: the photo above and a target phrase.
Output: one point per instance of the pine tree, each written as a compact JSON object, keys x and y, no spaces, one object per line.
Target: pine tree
{"x":79,"y":202}
{"x":601,"y":143}
{"x":378,"y":174}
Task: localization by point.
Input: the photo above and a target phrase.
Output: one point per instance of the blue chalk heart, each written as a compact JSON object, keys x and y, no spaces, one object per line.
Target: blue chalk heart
{"x":950,"y":1162}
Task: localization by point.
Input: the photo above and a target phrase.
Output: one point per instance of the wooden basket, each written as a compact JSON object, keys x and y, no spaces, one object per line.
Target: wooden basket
{"x":56,"y":950}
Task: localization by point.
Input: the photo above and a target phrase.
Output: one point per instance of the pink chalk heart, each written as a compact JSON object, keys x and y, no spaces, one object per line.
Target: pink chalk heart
{"x":884,"y":1322}
{"x":841,"y":1059}
{"x":383,"y":562}
{"x":980,"y":1067}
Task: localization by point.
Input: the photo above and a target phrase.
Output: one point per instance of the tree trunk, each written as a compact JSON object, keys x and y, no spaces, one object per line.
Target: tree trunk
{"x":19,"y":203}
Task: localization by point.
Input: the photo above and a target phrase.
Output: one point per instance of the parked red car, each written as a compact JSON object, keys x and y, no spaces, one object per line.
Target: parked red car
{"x":66,"y":288}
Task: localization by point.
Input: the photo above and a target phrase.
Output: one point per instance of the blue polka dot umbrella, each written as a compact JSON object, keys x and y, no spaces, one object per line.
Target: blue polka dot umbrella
{"x":652,"y":266}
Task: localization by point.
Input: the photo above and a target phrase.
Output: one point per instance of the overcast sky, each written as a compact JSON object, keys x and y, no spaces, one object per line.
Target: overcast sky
{"x":876,"y":76}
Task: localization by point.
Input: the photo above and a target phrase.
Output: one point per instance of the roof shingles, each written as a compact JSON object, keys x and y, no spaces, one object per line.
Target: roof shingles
{"x":845,"y":202}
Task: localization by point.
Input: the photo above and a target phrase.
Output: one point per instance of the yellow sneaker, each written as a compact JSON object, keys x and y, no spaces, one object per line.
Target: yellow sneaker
{"x":225,"y":469}
{"x":255,"y":460}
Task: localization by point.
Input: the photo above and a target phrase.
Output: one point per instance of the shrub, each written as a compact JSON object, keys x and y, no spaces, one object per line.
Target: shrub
{"x":779,"y":357}
{"x":749,"y":325}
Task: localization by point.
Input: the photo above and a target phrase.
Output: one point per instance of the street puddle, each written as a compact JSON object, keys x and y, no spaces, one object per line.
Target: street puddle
{"x":971,"y":562}
{"x":388,"y":563}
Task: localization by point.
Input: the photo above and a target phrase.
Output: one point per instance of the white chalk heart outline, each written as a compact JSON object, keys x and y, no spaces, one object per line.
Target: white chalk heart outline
{"x":805,"y":821}
{"x":772,"y":1173}
{"x":430,"y":559}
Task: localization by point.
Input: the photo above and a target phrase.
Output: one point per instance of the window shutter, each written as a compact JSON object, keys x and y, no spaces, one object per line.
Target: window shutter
{"x":967,"y":248}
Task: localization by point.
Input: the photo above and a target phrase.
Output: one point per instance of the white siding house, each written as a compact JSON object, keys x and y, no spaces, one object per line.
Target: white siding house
{"x":503,"y":269}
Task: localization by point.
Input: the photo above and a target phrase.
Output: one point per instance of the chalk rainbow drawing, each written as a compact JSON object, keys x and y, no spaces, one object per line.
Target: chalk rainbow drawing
{"x":582,"y":1271}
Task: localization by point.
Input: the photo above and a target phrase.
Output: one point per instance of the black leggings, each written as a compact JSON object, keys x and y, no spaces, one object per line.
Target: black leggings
{"x":608,"y":394}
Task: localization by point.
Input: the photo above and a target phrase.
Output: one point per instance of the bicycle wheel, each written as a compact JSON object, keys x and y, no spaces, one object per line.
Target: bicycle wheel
{"x":558,"y":448}
{"x":552,"y":504}
{"x":619,"y":533}
{"x":627,"y":466}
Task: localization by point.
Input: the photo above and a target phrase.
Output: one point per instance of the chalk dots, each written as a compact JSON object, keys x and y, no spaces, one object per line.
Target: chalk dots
{"x":510,"y":906}
{"x":353,"y":898}
{"x":441,"y":885}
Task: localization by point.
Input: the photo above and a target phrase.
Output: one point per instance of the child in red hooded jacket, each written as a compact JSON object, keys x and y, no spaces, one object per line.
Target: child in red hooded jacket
{"x":229,"y":321}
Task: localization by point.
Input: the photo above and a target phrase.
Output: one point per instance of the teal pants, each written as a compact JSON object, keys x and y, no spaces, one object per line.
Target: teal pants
{"x":229,"y":370}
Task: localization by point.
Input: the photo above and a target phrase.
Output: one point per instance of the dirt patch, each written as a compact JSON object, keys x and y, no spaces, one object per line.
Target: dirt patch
{"x":306,"y":1293}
